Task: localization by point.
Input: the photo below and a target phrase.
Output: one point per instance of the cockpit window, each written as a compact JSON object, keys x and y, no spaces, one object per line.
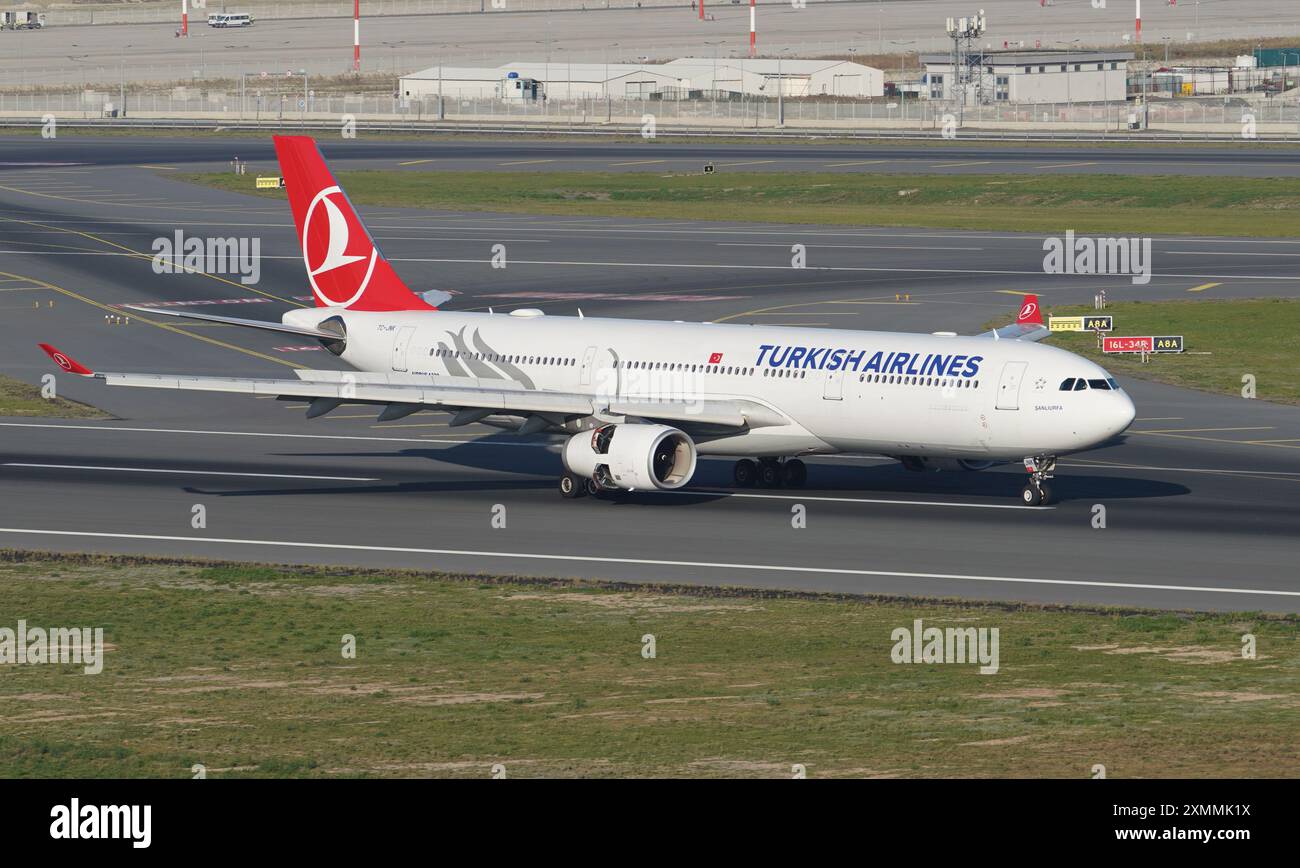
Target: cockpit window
{"x":1103,"y":385}
{"x":1114,"y":385}
{"x":1080,"y":384}
{"x":1067,"y":385}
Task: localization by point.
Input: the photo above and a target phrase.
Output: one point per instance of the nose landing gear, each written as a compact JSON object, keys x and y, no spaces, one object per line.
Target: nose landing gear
{"x":1037,"y":492}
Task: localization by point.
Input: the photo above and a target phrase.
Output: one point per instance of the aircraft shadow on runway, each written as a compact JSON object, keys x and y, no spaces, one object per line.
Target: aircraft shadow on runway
{"x":713,"y":479}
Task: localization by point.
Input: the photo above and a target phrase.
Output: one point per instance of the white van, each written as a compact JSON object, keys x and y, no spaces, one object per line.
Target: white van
{"x":232,"y":20}
{"x":212,"y":18}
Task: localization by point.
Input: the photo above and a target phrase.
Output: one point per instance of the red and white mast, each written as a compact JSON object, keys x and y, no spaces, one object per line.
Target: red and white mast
{"x":185,"y":17}
{"x":1139,"y":20}
{"x":752,"y":32}
{"x":356,"y":35}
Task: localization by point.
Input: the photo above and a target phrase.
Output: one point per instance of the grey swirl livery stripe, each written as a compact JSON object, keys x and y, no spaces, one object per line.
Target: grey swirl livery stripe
{"x":453,"y":366}
{"x":477,"y":367}
{"x":511,"y":371}
{"x":453,"y":357}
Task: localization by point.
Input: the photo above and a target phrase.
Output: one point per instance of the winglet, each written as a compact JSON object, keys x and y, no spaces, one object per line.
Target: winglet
{"x":68,"y":363}
{"x":1029,"y":312}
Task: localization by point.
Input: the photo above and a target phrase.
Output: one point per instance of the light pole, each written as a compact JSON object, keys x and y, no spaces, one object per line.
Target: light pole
{"x":713,"y":87}
{"x":121,"y":81}
{"x":1069,"y":99}
{"x":393,"y":55}
{"x":903,"y":94}
{"x":780,"y":89}
{"x":609,"y":105}
{"x":441,"y":51}
{"x":880,"y":26}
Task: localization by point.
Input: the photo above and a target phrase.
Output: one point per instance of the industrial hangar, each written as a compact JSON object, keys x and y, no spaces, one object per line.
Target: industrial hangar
{"x":684,"y":78}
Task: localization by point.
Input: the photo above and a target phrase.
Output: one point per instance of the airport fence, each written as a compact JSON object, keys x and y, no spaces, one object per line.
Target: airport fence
{"x":288,"y":102}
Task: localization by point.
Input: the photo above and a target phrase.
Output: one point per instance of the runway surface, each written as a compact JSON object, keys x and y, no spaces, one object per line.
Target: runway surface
{"x":1201,"y":498}
{"x":74,"y":151}
{"x":107,"y":54}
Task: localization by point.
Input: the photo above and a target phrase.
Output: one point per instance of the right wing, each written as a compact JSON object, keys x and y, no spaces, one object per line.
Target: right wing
{"x":1028,"y":326}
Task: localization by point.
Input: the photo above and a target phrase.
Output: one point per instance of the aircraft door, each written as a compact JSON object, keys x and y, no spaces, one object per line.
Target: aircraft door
{"x":1009,"y":385}
{"x":605,"y":374}
{"x":401,"y":341}
{"x":834,"y":390}
{"x":588,"y":357}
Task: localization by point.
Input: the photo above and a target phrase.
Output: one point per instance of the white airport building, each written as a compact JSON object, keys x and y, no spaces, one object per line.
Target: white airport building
{"x":685,"y":78}
{"x":1037,"y":76}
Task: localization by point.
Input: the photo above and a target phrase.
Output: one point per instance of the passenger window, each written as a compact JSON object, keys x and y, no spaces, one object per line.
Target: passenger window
{"x":1067,"y":385}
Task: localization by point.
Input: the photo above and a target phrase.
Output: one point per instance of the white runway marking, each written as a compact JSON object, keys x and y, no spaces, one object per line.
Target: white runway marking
{"x":843,"y":246}
{"x":777,"y":568}
{"x":189,"y":472}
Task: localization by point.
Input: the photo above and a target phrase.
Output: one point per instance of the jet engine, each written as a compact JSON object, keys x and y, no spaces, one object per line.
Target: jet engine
{"x":632,"y":456}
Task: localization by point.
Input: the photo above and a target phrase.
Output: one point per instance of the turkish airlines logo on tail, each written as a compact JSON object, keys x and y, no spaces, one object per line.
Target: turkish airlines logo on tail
{"x":339,"y":270}
{"x":1029,"y":312}
{"x":61,"y":360}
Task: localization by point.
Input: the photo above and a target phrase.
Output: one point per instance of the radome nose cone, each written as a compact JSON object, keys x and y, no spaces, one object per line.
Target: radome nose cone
{"x":1125,"y":413}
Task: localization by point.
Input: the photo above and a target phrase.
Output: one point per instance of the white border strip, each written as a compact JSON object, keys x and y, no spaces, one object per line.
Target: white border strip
{"x":775,"y":568}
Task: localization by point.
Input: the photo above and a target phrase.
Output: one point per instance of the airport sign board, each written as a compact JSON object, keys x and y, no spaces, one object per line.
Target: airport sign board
{"x":1081,"y":323}
{"x":1144,"y":344}
{"x":1127,"y":345}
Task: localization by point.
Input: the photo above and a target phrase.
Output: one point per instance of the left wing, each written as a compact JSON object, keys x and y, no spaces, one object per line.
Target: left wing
{"x":402,"y":395}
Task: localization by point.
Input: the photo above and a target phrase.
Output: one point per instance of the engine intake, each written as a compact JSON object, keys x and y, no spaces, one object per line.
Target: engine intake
{"x":632,"y":456}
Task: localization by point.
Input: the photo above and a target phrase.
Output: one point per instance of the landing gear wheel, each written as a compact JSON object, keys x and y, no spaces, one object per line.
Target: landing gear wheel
{"x":1040,"y":468}
{"x":745,"y":473}
{"x":571,"y":486}
{"x":589,"y":486}
{"x":769,"y":473}
{"x":794,"y":473}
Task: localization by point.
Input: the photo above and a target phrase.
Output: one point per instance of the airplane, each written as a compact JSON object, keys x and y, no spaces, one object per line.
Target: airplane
{"x":639,"y":401}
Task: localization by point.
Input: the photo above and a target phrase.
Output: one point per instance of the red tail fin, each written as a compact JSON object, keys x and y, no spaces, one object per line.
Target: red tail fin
{"x":1029,"y":312}
{"x":344,"y":265}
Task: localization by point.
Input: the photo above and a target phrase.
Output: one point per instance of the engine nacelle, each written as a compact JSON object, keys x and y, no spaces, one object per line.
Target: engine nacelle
{"x":632,"y":456}
{"x":922,"y":464}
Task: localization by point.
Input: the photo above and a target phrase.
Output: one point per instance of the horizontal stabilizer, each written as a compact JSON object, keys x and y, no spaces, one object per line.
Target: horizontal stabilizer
{"x":236,"y":321}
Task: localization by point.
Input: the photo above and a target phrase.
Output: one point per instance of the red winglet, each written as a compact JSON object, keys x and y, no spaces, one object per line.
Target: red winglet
{"x":68,"y":364}
{"x":1029,"y":312}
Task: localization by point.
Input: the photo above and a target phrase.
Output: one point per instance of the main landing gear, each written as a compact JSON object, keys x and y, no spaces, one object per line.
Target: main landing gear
{"x":1037,"y":492}
{"x":770,"y":473}
{"x":577,"y":486}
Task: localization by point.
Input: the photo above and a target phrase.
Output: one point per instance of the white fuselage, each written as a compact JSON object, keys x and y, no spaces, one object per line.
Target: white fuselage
{"x":867,"y":392}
